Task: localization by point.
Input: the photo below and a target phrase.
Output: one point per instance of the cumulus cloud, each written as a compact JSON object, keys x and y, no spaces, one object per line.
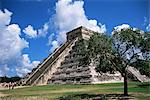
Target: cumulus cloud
{"x":5,"y":18}
{"x":4,"y":70}
{"x":44,"y":30}
{"x":148,"y":27}
{"x":32,"y":33}
{"x":26,"y":65}
{"x":54,"y":45}
{"x":11,"y":45}
{"x":145,"y":21}
{"x":51,"y":38}
{"x":72,"y":17}
{"x":119,"y":28}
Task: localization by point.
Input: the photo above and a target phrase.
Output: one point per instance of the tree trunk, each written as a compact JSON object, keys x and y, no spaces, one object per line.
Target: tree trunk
{"x":125,"y":84}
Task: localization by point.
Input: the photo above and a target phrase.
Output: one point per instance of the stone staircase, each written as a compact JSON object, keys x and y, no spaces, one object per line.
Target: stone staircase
{"x":49,"y":65}
{"x":64,"y":65}
{"x":137,"y":74}
{"x":70,"y":72}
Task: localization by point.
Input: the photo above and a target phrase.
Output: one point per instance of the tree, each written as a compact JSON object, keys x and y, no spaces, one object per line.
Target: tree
{"x":130,"y":46}
{"x":99,"y":48}
{"x":125,"y":48}
{"x":9,"y":79}
{"x":143,"y":66}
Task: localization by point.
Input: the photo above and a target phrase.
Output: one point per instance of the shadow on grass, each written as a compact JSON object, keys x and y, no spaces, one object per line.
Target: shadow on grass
{"x":96,"y":97}
{"x":144,"y":85}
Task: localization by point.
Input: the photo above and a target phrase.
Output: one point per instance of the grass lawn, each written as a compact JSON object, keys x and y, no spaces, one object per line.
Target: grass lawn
{"x":137,"y":91}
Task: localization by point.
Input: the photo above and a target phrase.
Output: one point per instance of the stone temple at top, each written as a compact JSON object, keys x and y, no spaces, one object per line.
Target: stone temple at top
{"x":63,"y":65}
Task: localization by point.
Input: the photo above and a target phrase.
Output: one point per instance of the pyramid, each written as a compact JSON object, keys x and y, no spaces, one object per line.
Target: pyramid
{"x":63,"y":65}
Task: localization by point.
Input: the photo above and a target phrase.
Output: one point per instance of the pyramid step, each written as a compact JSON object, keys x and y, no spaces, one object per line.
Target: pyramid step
{"x":137,"y":74}
{"x":51,"y":60}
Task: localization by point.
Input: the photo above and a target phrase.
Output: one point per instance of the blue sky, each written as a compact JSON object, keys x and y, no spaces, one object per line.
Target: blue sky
{"x":43,"y":24}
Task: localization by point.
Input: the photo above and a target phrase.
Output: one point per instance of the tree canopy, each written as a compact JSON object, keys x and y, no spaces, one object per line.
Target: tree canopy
{"x":125,"y":47}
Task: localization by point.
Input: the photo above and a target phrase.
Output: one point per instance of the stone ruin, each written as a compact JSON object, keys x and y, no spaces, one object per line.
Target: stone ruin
{"x":63,"y":65}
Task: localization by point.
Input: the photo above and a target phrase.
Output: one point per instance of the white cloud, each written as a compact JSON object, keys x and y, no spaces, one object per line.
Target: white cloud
{"x":121,"y":27}
{"x":54,"y":45}
{"x":11,"y":46}
{"x":69,"y":15}
{"x":4,"y":70}
{"x":44,"y":30}
{"x":148,"y":27}
{"x":14,"y":28}
{"x":26,"y":65}
{"x":145,"y":21}
{"x":30,"y":31}
{"x":5,"y":18}
{"x":51,"y":38}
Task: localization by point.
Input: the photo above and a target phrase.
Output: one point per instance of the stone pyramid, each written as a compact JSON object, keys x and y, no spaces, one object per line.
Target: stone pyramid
{"x":63,"y":65}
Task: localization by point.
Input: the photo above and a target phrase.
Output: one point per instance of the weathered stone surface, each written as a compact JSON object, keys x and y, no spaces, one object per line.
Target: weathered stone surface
{"x":71,"y":72}
{"x":137,"y":75}
{"x":63,"y":66}
{"x":50,"y":65}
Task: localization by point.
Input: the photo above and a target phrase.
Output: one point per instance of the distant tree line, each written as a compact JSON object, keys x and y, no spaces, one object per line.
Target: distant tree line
{"x":9,"y":79}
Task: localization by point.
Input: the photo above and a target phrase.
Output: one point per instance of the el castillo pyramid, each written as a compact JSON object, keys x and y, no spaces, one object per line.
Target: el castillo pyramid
{"x":62,"y":66}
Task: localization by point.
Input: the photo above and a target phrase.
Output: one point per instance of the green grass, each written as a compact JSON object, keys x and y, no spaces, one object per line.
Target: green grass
{"x":52,"y":92}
